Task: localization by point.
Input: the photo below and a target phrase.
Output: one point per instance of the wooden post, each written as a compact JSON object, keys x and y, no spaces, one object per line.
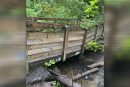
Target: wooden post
{"x":102,"y":31}
{"x":35,"y":24}
{"x":27,"y":67}
{"x":65,"y":42}
{"x":95,"y":34}
{"x":83,"y":43}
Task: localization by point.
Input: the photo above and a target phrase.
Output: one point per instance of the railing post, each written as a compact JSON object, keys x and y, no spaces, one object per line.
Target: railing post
{"x":83,"y":43}
{"x":95,"y":34}
{"x":65,"y":42}
{"x":102,"y":31}
{"x":35,"y":24}
{"x":27,"y":67}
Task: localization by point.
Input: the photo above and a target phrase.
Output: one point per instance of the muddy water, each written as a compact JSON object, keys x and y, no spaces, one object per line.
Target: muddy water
{"x":74,"y":66}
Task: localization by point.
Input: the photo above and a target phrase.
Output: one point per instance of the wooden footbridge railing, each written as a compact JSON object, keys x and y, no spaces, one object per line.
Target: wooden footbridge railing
{"x":57,"y":38}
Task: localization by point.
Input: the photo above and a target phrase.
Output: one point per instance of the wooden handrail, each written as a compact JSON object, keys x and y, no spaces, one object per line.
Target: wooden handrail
{"x":52,"y":19}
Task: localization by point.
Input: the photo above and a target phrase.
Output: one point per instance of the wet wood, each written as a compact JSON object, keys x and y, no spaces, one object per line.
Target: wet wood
{"x":65,"y":42}
{"x":64,"y":80}
{"x":83,"y":43}
{"x":95,"y":34}
{"x":85,"y":73}
{"x":96,"y":65}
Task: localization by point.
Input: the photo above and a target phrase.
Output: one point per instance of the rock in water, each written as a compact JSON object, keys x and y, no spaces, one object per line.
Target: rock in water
{"x":40,"y":74}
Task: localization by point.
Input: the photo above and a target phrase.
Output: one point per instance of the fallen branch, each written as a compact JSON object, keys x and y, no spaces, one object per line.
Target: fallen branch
{"x":85,"y":73}
{"x":96,"y":65}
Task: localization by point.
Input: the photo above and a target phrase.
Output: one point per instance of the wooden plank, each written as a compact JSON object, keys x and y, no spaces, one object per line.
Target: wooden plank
{"x":48,"y":49}
{"x":43,"y":41}
{"x":37,"y":56}
{"x":55,"y":56}
{"x":40,"y":35}
{"x":53,"y":19}
{"x":36,"y":35}
{"x":38,"y":46}
{"x":48,"y":45}
{"x":37,"y":51}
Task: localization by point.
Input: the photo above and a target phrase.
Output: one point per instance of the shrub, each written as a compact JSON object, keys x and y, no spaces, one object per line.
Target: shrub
{"x":94,"y":46}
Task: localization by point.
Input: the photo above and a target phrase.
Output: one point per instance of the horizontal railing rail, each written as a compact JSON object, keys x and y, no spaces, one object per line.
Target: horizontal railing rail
{"x":62,"y":44}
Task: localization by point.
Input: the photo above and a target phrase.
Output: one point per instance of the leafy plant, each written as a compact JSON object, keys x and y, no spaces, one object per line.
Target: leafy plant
{"x":57,"y":84}
{"x":94,"y":46}
{"x":92,"y":9}
{"x":91,"y":12}
{"x":54,"y":8}
{"x":50,"y":63}
{"x":89,"y":22}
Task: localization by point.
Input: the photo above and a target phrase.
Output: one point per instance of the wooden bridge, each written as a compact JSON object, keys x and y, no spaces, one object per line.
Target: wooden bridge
{"x":57,"y":38}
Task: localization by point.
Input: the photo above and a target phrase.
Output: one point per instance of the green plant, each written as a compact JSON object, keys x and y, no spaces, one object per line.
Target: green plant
{"x":92,"y":9}
{"x":94,"y":46}
{"x":50,"y":63}
{"x":57,"y":84}
{"x":93,"y":14}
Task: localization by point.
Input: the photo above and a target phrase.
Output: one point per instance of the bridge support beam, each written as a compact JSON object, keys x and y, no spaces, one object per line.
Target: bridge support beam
{"x":65,"y":42}
{"x":83,"y":43}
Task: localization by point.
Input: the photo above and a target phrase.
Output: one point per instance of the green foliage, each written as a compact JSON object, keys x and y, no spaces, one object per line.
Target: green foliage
{"x":90,"y":12}
{"x":57,"y":84}
{"x":54,"y":8}
{"x":88,"y":22}
{"x":94,"y":46}
{"x":48,"y":30}
{"x":92,"y":9}
{"x":50,"y":63}
{"x":94,"y":13}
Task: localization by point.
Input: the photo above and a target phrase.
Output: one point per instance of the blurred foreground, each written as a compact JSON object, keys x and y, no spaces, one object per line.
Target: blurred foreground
{"x":117,"y":41}
{"x":12,"y":43}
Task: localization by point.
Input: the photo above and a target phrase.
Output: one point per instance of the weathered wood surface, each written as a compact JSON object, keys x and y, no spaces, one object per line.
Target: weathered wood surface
{"x":96,"y":65}
{"x":65,"y":42}
{"x":85,"y":73}
{"x":64,"y":79}
{"x":83,"y":43}
{"x":38,"y":24}
{"x":53,"y":19}
{"x":43,"y":45}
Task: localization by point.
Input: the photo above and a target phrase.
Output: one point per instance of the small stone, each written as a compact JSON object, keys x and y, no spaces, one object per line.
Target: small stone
{"x":89,"y":77}
{"x":86,"y":77}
